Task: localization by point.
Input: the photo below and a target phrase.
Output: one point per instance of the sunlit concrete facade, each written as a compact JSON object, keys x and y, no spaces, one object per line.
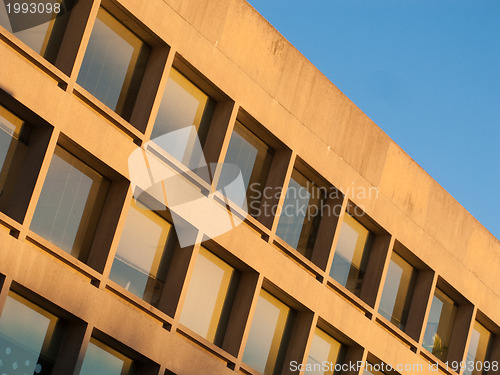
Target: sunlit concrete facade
{"x":224,"y":54}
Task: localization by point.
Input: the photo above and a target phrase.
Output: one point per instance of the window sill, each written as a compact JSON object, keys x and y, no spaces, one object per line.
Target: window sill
{"x":33,"y":57}
{"x":107,"y":112}
{"x":63,"y":256}
{"x":211,"y":347}
{"x":400,"y":334}
{"x":307,"y":264}
{"x":351,"y":297}
{"x":139,"y":302}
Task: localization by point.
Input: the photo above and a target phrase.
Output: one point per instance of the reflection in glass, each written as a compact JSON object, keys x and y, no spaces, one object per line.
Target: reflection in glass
{"x":114,"y":64}
{"x":301,"y":214}
{"x":44,"y":38}
{"x":70,"y":203}
{"x":324,"y":350}
{"x":145,"y":245}
{"x":398,"y":291}
{"x":29,"y":337}
{"x":478,"y":353}
{"x":253,"y":157}
{"x":103,"y":360}
{"x":208,"y":296}
{"x":440,"y":325}
{"x":14,"y":135}
{"x":351,"y":254}
{"x":267,"y":337}
{"x":183,"y":104}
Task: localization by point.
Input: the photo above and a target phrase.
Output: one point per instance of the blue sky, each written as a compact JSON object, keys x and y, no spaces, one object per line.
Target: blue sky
{"x":426,"y":71}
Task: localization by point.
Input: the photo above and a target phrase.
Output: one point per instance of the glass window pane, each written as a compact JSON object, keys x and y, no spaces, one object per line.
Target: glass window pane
{"x":253,"y":157}
{"x":351,"y":254}
{"x":440,"y":325}
{"x":301,"y":214}
{"x":114,"y":64}
{"x":480,"y":341}
{"x":29,"y":337}
{"x":324,"y":349}
{"x":140,"y":260}
{"x":43,"y":37}
{"x":266,"y":333}
{"x":183,"y":104}
{"x":14,"y":134}
{"x":398,"y":291}
{"x":70,"y":203}
{"x":103,"y":360}
{"x":207,"y":295}
{"x":372,"y":369}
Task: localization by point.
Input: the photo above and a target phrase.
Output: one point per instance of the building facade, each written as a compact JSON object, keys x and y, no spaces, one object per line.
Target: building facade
{"x":348,"y":257}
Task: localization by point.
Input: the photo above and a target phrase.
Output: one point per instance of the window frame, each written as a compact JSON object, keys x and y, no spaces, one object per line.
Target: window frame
{"x":378,"y":251}
{"x":93,"y":258}
{"x":460,"y":327}
{"x":316,"y":256}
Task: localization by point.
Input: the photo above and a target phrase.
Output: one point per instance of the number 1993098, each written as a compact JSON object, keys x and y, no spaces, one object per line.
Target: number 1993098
{"x":33,"y":8}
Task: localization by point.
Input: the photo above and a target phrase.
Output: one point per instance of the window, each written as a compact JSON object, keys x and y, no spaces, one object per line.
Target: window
{"x":183,"y":104}
{"x":143,"y":252}
{"x":209,"y":297}
{"x":70,"y":203}
{"x":267,"y":338}
{"x":14,"y":135}
{"x":253,"y":157}
{"x":103,"y":360}
{"x":301,"y":214}
{"x":479,"y":347}
{"x":372,"y":369}
{"x":44,"y":32}
{"x":324,"y":350}
{"x":114,"y":64}
{"x":29,"y":337}
{"x":440,"y":325}
{"x":398,"y":291}
{"x":351,"y":254}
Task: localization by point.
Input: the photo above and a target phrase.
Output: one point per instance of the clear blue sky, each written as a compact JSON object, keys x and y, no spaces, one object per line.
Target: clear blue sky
{"x":426,"y":71}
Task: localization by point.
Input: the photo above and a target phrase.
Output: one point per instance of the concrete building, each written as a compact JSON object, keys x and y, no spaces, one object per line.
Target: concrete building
{"x":350,"y":253}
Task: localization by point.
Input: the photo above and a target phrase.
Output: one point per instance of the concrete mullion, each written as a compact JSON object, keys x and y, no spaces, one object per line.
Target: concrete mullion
{"x":378,"y":265}
{"x":238,"y":319}
{"x":84,"y":36}
{"x":248,"y":323}
{"x":464,"y":321}
{"x":6,"y":283}
{"x":116,"y":238}
{"x":281,"y":201}
{"x":184,"y":283}
{"x":39,"y":184}
{"x":70,"y":45}
{"x":335,"y":240}
{"x":469,"y":331}
{"x":87,"y":334}
{"x":428,"y":305}
{"x":224,"y":131}
{"x":151,"y":89}
{"x":312,"y":328}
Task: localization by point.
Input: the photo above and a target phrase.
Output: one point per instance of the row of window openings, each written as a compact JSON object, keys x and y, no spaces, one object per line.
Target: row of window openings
{"x":31,"y":337}
{"x":73,"y":195}
{"x":32,"y":342}
{"x":110,"y":66}
{"x":113,"y":67}
{"x":72,"y":198}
